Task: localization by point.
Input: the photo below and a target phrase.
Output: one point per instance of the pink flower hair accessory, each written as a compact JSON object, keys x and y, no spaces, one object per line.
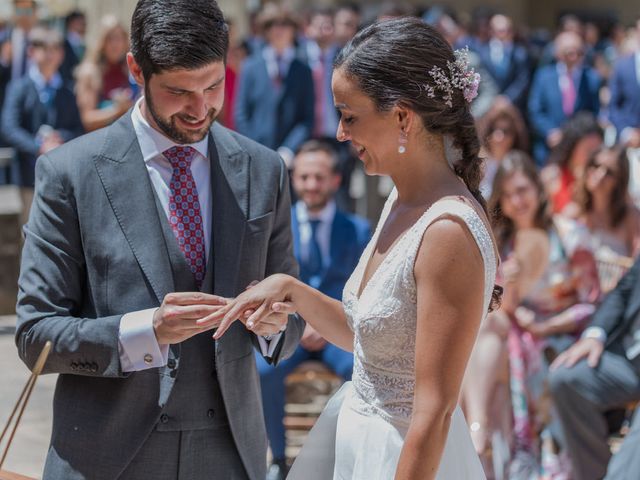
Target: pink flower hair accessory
{"x":460,"y":76}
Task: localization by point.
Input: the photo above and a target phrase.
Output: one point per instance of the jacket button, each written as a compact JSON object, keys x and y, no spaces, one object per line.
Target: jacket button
{"x":94,"y":367}
{"x":164,"y":418}
{"x":171,"y":363}
{"x":74,"y":366}
{"x":211,"y":413}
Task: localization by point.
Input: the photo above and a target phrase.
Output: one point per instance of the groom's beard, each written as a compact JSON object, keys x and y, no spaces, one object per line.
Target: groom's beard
{"x":170,"y":129}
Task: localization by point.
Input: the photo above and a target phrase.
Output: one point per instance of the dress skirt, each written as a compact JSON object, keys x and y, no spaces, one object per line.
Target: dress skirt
{"x":346,"y":444}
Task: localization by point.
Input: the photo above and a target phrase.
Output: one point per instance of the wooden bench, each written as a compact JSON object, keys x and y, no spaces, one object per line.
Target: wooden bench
{"x":308,"y":388}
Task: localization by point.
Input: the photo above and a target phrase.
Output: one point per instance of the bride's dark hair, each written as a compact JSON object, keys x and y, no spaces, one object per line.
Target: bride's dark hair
{"x":390,"y":61}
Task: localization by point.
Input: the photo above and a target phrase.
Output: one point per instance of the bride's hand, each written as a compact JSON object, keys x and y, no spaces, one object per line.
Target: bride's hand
{"x":269,"y":297}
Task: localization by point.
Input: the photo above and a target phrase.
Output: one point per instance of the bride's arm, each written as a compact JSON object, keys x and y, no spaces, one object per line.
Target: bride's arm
{"x":449,"y":276}
{"x":322,"y":312}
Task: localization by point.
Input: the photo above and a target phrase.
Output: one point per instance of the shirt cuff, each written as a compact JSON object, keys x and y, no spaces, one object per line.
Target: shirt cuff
{"x":137,"y":343}
{"x":597,"y":333}
{"x":267,"y":347}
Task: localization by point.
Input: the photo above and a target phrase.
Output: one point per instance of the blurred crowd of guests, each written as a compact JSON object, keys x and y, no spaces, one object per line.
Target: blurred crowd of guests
{"x":559,"y":119}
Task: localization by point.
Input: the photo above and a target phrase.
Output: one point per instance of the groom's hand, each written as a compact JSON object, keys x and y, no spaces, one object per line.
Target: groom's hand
{"x":177,"y":318}
{"x":272,"y":322}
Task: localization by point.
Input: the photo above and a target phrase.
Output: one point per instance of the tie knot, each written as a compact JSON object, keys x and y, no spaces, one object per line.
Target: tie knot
{"x":179,"y":156}
{"x":314,"y":225}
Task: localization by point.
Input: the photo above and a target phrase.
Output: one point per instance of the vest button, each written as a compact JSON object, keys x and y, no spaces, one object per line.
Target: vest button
{"x":211,"y":413}
{"x":164,"y":418}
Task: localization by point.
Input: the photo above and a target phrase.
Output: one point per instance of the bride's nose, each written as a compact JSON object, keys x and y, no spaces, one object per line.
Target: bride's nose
{"x":341,"y":135}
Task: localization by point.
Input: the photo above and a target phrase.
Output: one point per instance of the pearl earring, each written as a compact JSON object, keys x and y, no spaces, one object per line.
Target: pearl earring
{"x":402,"y":148}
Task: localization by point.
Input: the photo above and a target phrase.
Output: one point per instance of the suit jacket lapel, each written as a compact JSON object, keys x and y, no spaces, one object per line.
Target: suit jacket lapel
{"x":126,"y":183}
{"x":230,"y":208}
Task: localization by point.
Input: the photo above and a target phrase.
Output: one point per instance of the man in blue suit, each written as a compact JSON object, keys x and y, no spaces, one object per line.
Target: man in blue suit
{"x":40,"y":112}
{"x":327,"y":244}
{"x":275,"y":100}
{"x":506,"y":61}
{"x":624,"y":106}
{"x":559,"y":91}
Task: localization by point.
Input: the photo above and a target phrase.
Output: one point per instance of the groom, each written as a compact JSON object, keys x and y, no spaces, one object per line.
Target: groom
{"x":133,"y":229}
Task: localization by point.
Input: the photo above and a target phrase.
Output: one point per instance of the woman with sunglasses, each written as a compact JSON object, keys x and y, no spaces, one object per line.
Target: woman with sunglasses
{"x":603,"y":205}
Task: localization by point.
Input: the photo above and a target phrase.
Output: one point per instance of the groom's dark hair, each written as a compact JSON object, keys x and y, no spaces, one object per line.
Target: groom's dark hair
{"x":178,"y":34}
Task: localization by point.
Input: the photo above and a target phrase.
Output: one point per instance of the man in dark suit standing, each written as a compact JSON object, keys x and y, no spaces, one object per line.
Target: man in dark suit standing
{"x":624,"y":106}
{"x":559,"y":91}
{"x":601,"y":372}
{"x":327,"y":244}
{"x":75,"y":26}
{"x":133,"y":229}
{"x":506,"y":61}
{"x":275,"y":100}
{"x":40,"y":112}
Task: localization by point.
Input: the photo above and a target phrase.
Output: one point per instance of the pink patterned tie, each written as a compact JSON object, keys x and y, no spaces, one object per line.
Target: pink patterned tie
{"x":569,"y":95}
{"x":184,"y":210}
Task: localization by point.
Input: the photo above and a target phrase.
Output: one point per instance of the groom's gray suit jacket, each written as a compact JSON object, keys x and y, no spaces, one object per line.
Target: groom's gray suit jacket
{"x":96,"y":248}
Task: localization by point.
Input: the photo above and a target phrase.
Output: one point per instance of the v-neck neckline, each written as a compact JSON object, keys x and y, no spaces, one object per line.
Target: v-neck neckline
{"x":362,"y":287}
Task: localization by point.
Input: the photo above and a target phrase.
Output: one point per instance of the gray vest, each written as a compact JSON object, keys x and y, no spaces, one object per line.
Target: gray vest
{"x":195,"y":402}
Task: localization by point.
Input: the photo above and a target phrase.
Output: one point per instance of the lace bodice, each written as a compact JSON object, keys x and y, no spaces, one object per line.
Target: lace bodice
{"x":384,"y":318}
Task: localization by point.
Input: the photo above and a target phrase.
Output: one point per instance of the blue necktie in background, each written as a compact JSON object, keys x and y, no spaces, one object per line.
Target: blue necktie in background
{"x":313,"y":265}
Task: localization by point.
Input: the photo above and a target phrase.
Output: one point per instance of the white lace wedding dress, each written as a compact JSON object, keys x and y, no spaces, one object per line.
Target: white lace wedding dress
{"x":360,"y":433}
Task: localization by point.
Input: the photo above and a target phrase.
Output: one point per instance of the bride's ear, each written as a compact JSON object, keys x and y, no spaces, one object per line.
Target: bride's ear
{"x":405,"y":118}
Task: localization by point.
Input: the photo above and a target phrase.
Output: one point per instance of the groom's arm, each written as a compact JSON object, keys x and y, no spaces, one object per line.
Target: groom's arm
{"x":52,"y":286}
{"x":280,"y":259}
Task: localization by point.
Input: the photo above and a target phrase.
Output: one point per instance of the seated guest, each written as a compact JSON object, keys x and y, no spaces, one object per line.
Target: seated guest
{"x":581,"y":136}
{"x":40,"y":111}
{"x":601,"y":372}
{"x":327,"y":244}
{"x":501,"y":130}
{"x":559,"y":91}
{"x":550,"y":282}
{"x":624,"y":105}
{"x":103,"y":87}
{"x":604,"y":206}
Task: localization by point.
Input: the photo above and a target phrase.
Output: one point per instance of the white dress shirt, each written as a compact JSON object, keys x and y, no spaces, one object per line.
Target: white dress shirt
{"x":139,"y":348}
{"x":323,"y":234}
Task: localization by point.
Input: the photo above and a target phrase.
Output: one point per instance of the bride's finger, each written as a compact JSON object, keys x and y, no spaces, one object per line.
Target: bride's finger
{"x":234,"y":313}
{"x":284,"y":307}
{"x":257,"y":316}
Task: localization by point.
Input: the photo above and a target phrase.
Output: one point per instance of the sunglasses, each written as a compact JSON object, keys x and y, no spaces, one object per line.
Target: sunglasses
{"x":609,"y":172}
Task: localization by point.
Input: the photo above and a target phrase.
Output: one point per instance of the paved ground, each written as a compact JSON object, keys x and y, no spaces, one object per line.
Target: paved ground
{"x":29,"y":447}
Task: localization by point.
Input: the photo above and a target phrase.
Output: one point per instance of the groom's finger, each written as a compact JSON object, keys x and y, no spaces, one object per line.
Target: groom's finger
{"x":194,"y":298}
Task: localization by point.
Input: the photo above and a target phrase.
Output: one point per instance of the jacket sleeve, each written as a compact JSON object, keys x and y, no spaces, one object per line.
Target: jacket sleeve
{"x":303,"y":127}
{"x":51,"y":286}
{"x":280,"y":259}
{"x":242,"y":109}
{"x":19,"y":138}
{"x":538,"y":114}
{"x":611,"y":311}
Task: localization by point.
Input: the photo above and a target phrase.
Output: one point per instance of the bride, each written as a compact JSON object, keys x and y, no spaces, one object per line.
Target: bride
{"x":412,"y":307}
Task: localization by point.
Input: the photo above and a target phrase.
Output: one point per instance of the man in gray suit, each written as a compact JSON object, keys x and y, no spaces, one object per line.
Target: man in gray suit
{"x":599,"y":373}
{"x":133,"y":230}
